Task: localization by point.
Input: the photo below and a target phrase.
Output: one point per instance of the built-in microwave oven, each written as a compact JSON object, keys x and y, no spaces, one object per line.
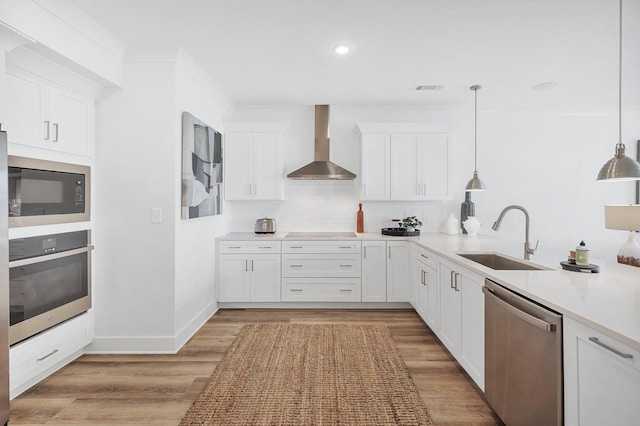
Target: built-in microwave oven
{"x":44,"y":192}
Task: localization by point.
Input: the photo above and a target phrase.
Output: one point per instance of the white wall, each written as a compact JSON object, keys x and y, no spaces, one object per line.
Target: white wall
{"x":194,"y":238}
{"x":547,"y":163}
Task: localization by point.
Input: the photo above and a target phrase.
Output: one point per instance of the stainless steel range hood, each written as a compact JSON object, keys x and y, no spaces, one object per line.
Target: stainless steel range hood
{"x":322,"y":168}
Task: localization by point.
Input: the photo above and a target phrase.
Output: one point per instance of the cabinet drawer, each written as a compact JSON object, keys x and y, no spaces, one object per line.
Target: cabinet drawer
{"x":321,"y":290}
{"x":40,"y":355}
{"x":427,"y":257}
{"x":230,"y":247}
{"x":321,"y":265}
{"x":321,"y":247}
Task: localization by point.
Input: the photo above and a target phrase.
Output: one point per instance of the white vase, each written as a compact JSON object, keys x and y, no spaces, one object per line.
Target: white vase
{"x":451,"y":225}
{"x":472,"y":225}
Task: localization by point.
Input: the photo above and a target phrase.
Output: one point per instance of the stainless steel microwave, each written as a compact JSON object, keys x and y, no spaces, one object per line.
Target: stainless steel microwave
{"x":45,"y":192}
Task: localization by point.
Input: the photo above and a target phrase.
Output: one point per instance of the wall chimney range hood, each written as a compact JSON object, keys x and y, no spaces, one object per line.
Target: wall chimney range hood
{"x":322,"y":168}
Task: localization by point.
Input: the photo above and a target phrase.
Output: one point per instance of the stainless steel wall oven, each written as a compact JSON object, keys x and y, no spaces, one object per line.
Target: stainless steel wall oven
{"x":49,"y":281}
{"x":44,"y":192}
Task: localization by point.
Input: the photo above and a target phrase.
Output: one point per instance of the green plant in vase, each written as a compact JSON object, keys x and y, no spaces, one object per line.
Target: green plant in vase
{"x":410,"y":223}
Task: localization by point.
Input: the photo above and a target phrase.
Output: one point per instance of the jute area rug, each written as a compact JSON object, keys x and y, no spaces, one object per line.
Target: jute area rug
{"x":310,"y":374}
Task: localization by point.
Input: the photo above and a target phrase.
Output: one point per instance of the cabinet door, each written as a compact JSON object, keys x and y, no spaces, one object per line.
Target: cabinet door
{"x":449,"y":331}
{"x":472,"y":325}
{"x":267,"y":166}
{"x":434,"y":167}
{"x":265,"y":277}
{"x":405,"y":173}
{"x":374,"y":271}
{"x":72,"y":117}
{"x":432,"y":304}
{"x":238,"y":170}
{"x":27,"y":108}
{"x":375,"y":172}
{"x":601,"y":384}
{"x":422,"y":296}
{"x":397,"y":271}
{"x":234,"y":284}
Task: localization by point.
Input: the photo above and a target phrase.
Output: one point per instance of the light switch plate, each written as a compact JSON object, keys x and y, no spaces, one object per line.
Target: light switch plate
{"x":156,"y":215}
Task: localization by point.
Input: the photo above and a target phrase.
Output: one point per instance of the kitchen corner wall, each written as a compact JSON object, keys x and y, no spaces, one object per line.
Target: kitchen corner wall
{"x":545,"y":162}
{"x":155,"y":281}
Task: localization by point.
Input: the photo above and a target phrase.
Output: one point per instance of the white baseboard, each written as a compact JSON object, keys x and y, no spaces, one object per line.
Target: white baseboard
{"x":315,"y":305}
{"x":148,"y":344}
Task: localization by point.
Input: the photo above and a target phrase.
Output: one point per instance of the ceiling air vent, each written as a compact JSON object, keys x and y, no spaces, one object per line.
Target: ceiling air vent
{"x":431,"y":87}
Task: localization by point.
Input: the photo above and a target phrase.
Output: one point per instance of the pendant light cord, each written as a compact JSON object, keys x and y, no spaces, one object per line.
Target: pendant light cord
{"x":475,"y":126}
{"x":620,"y":79}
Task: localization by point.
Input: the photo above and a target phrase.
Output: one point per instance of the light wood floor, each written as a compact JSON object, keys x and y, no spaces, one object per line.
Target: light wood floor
{"x":158,"y":389}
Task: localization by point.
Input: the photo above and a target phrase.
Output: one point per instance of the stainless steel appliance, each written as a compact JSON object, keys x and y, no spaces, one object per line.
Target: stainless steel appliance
{"x":49,"y":281}
{"x":4,"y":288}
{"x":265,"y":226}
{"x":44,"y":192}
{"x":523,"y":358}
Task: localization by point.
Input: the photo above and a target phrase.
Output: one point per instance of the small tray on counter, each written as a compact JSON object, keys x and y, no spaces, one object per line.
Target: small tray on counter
{"x":590,"y":268}
{"x":400,"y":232}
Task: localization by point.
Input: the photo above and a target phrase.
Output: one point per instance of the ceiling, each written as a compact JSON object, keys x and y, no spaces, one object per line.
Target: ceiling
{"x":278,"y":52}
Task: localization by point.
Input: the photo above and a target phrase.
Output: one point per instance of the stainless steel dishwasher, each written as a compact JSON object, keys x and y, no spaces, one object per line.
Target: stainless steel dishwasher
{"x":523,"y":358}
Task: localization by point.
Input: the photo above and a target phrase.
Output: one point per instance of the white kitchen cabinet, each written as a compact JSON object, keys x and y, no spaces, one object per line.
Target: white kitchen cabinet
{"x":38,"y":357}
{"x":419,"y":166}
{"x":249,"y":277}
{"x":601,"y":378}
{"x":462,"y":317}
{"x":253,"y":162}
{"x":398,"y":271}
{"x":44,"y":114}
{"x":374,"y":271}
{"x":375,"y":167}
{"x":428,"y":288}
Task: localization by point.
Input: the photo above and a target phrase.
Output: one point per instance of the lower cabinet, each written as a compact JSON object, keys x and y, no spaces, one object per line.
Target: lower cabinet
{"x":249,"y":277}
{"x":398,"y":271}
{"x":374,"y":271}
{"x":321,"y":290}
{"x":38,"y":357}
{"x":601,"y":378}
{"x":461,"y":327}
{"x":427,"y":300}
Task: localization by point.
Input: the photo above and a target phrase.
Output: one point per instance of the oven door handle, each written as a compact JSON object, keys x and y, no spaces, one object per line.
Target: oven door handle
{"x":47,"y":257}
{"x":536,"y":322}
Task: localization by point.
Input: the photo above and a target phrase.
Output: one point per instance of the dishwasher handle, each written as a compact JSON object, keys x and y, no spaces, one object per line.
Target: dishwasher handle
{"x":536,"y":322}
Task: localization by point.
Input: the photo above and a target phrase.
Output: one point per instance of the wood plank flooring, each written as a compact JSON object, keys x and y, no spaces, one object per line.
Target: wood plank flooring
{"x":158,"y":389}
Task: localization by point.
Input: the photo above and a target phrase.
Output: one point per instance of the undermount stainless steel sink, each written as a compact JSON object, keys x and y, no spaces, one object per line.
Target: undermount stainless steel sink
{"x":499,"y":262}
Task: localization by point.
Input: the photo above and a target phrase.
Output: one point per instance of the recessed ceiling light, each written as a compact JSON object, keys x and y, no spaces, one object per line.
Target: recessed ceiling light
{"x":429,"y":87}
{"x":341,"y":48}
{"x":545,"y":86}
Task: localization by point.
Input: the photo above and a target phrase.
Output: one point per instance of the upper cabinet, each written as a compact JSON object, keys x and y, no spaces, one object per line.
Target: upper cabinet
{"x":54,"y":109}
{"x":253,"y":161}
{"x":404,"y":162}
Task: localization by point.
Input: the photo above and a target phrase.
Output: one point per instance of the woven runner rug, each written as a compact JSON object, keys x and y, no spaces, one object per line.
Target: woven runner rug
{"x":310,"y":374}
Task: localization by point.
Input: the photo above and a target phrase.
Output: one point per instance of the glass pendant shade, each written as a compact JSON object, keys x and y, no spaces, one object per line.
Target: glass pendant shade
{"x":620,"y":167}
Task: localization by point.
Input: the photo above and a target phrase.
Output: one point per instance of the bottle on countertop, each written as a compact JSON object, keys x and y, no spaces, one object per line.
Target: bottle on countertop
{"x":582,"y":254}
{"x":360,"y":219}
{"x":467,"y":208}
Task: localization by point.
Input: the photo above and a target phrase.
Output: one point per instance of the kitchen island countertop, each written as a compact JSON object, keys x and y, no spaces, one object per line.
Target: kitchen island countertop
{"x":608,"y":301}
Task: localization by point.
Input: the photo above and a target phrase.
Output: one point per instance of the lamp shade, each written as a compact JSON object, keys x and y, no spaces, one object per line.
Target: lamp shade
{"x":622,"y":217}
{"x":620,"y":167}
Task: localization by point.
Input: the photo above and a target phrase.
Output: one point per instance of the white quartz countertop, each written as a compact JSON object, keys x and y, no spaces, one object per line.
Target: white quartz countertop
{"x":608,"y":301}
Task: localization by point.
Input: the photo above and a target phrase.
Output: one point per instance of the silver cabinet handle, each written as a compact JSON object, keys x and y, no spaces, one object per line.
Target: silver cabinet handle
{"x":296,"y":266}
{"x":451,"y":279}
{"x":246,"y":265}
{"x":389,"y":252}
{"x":346,"y":266}
{"x":296,"y":289}
{"x":456,"y":281}
{"x":265,"y":247}
{"x":345,"y":247}
{"x":423,"y":278}
{"x":536,"y":322}
{"x":426,"y":257}
{"x":234,"y":247}
{"x":55,"y":132}
{"x":48,"y":355}
{"x":252,"y":266}
{"x":614,"y":350}
{"x":424,"y":189}
{"x":346,"y":290}
{"x":47,"y":123}
{"x":296,"y":247}
{"x":365,"y":252}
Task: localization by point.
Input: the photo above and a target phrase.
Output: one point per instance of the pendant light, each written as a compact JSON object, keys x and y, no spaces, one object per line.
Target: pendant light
{"x":475,"y":184}
{"x":620,"y":167}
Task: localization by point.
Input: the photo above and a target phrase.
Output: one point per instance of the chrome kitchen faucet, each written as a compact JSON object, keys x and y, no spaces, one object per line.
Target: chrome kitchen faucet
{"x":528,"y":251}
